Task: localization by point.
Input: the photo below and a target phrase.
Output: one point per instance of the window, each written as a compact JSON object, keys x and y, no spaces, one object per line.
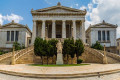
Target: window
{"x":8,"y":35}
{"x":108,"y":35}
{"x":16,"y":35}
{"x":103,"y":35}
{"x":117,"y":43}
{"x":29,"y":41}
{"x":99,"y":35}
{"x":12,"y":35}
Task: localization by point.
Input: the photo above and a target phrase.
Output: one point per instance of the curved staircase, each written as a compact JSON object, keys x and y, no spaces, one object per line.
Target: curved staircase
{"x":25,"y":56}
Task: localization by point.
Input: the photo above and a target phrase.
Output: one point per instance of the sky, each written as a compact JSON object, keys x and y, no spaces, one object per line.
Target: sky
{"x":97,"y":10}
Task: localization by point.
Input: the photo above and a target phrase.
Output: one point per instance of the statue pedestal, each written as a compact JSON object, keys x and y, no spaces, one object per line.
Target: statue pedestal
{"x":59,"y":59}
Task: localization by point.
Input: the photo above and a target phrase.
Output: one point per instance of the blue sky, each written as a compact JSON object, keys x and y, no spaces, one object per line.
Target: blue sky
{"x":23,"y":7}
{"x":97,"y":10}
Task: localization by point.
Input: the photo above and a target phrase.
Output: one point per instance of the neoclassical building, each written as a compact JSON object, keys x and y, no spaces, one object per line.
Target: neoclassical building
{"x":14,"y":32}
{"x":103,"y":32}
{"x":58,"y":22}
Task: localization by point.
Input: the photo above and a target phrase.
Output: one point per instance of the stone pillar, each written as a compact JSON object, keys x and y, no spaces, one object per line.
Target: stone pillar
{"x":53,"y":29}
{"x":74,"y":29}
{"x":63,"y":29}
{"x":83,"y":31}
{"x":43,"y":29}
{"x":34,"y":32}
{"x":105,"y":58}
{"x":13,"y":56}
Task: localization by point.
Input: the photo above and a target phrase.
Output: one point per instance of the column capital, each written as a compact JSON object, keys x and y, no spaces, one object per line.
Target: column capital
{"x":53,"y":20}
{"x":73,"y":20}
{"x":34,"y":20}
{"x":82,"y":20}
{"x":63,"y":20}
{"x":43,"y":20}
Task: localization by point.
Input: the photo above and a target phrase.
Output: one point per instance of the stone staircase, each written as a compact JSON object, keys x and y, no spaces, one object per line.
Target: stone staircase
{"x":26,"y":56}
{"x":7,"y":58}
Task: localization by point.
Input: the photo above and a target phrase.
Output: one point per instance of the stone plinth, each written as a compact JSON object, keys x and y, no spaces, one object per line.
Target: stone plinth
{"x":59,"y":59}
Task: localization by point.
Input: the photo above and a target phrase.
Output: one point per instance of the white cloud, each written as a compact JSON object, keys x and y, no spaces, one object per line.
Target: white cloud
{"x":1,"y":20}
{"x":9,"y":18}
{"x":82,"y":8}
{"x":77,"y":5}
{"x":107,"y":10}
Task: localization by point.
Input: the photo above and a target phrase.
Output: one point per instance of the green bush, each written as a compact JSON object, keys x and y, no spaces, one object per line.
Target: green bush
{"x":3,"y":52}
{"x":97,"y":45}
{"x":18,"y":46}
{"x":45,"y":48}
{"x":79,"y":61}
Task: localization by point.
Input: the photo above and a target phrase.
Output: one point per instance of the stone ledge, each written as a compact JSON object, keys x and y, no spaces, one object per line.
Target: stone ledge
{"x":60,"y":76}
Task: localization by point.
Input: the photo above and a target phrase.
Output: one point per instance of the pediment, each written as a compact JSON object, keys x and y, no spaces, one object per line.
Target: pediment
{"x":58,"y":9}
{"x":104,"y":25}
{"x":13,"y":24}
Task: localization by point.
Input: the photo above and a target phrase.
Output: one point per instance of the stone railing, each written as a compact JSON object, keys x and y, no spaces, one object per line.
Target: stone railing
{"x":22,"y":52}
{"x":95,"y":52}
{"x":4,"y":56}
{"x":112,"y":55}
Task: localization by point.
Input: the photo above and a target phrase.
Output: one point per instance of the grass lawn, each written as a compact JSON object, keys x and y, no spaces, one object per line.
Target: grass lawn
{"x":64,"y":65}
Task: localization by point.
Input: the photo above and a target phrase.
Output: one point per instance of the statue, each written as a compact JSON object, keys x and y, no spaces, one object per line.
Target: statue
{"x":59,"y":47}
{"x":59,"y":60}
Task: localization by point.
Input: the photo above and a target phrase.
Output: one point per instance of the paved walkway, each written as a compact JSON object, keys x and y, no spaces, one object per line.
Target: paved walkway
{"x":60,"y":70}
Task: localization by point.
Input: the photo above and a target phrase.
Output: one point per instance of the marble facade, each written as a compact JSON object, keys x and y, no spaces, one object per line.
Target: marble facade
{"x":58,"y":22}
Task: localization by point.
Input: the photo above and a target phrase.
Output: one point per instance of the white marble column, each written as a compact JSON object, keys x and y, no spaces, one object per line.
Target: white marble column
{"x":53,"y":29}
{"x":34,"y":32}
{"x":43,"y":29}
{"x":83,"y":31}
{"x":63,"y":29}
{"x":74,"y":29}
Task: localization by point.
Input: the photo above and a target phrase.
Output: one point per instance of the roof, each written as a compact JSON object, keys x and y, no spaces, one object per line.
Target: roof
{"x":58,"y":6}
{"x":100,"y":25}
{"x":13,"y":23}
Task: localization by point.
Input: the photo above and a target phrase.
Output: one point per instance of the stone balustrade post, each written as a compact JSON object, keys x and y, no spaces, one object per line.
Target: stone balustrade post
{"x":105,"y":58}
{"x":13,"y":56}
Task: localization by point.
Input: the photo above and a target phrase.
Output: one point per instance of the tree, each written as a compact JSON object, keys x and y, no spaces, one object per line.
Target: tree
{"x":79,"y":48}
{"x":52,"y":50}
{"x":72,"y":49}
{"x":97,"y":45}
{"x":38,"y":48}
{"x":68,"y":48}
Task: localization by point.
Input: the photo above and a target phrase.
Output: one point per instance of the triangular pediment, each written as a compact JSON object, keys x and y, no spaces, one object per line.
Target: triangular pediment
{"x":104,"y":25}
{"x":58,"y":9}
{"x":13,"y":24}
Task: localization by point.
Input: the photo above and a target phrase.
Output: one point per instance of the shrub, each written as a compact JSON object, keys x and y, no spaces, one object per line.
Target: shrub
{"x":3,"y":52}
{"x":79,"y":61}
{"x":97,"y":45}
{"x":18,"y":46}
